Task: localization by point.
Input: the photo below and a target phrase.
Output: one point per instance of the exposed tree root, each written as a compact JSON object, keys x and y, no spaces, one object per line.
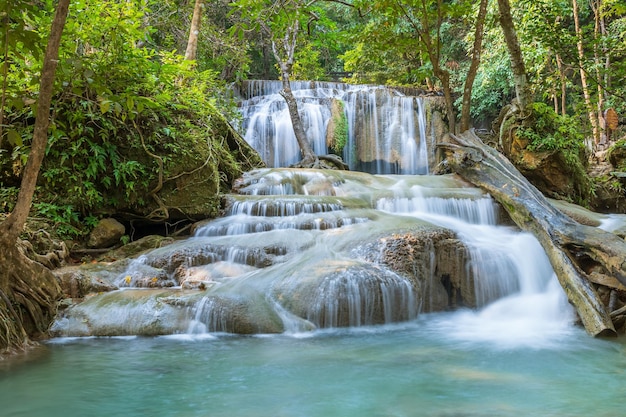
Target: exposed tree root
{"x":29,"y":294}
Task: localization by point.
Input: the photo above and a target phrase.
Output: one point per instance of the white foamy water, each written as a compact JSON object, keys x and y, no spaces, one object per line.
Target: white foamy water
{"x":521,"y":302}
{"x":386,"y":134}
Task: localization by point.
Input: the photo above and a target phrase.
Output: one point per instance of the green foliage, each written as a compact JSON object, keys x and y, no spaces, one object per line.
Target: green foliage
{"x":8,"y":197}
{"x":307,"y":65}
{"x":126,"y":118}
{"x":546,"y":131}
{"x":64,"y":217}
{"x":340,"y":125}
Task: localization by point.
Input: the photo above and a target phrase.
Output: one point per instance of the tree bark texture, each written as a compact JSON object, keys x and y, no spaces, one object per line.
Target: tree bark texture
{"x":14,"y":224}
{"x":284,"y":53}
{"x":194,"y":30}
{"x":308,"y":155}
{"x":29,"y":291}
{"x":471,"y":73}
{"x":522,"y":91}
{"x":575,"y":251}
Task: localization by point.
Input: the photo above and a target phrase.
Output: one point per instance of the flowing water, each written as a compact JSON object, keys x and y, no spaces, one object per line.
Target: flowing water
{"x":386,"y":130}
{"x":331,"y":329}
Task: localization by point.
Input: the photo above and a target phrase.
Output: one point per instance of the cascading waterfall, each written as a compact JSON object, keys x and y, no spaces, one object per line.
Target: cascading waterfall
{"x":386,"y":131}
{"x":303,"y":249}
{"x":514,"y":283}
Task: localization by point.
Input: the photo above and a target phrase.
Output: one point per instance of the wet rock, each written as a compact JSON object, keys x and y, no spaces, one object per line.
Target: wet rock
{"x":434,"y":260}
{"x":344,"y":293}
{"x":236,"y":313}
{"x":127,"y":312}
{"x":137,"y":247}
{"x":80,"y":281}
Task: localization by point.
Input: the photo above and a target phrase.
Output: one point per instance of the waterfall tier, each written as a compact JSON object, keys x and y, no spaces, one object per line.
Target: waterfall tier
{"x":328,"y":249}
{"x":374,"y":128}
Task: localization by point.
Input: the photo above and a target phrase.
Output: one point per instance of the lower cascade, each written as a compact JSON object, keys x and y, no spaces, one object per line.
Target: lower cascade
{"x":299,"y":250}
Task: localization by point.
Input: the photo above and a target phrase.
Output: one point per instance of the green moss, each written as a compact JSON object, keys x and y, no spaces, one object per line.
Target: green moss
{"x":339,"y":127}
{"x":150,"y":150}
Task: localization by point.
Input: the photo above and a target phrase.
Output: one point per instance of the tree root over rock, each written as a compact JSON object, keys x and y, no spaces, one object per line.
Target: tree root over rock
{"x":29,"y":293}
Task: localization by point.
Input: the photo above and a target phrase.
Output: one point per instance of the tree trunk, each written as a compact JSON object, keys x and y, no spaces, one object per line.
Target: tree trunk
{"x":444,"y":76}
{"x":308,"y":155}
{"x":515,"y":53}
{"x":285,"y":56}
{"x":598,"y":33}
{"x":28,"y":292}
{"x":471,"y":73}
{"x":575,"y":251}
{"x":563,"y":79}
{"x":28,"y":297}
{"x":583,"y":77}
{"x":194,"y":31}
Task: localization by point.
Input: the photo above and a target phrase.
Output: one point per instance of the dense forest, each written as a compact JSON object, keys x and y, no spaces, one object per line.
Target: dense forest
{"x":132,"y":83}
{"x":140,"y":92}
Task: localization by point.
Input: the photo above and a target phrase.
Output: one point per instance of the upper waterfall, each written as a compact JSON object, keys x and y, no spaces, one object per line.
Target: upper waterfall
{"x":385,"y":130}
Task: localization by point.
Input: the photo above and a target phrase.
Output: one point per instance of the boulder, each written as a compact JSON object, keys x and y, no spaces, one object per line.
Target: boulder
{"x":107,"y":233}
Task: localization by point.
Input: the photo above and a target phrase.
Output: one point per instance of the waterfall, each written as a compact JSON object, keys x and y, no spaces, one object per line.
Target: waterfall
{"x":386,"y":130}
{"x":520,"y":300}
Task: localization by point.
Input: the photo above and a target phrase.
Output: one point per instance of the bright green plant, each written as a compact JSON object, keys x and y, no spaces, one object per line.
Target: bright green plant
{"x":547,"y":131}
{"x":340,"y":133}
{"x":64,"y":217}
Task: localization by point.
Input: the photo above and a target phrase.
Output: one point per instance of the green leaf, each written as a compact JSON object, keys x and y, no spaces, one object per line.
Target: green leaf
{"x":105,"y":105}
{"x":14,"y":138}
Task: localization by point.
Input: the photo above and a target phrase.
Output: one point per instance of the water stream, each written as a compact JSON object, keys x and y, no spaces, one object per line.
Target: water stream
{"x":324,"y":293}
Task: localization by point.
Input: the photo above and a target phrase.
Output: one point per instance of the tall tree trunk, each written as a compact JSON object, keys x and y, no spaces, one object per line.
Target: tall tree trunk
{"x":598,"y":33}
{"x":583,"y":76}
{"x":444,"y":76}
{"x":14,"y":224}
{"x":285,"y":56}
{"x":5,"y":74}
{"x":28,"y":291}
{"x":563,"y":78}
{"x":194,"y":30}
{"x":308,"y":155}
{"x":471,"y":73}
{"x":520,"y":78}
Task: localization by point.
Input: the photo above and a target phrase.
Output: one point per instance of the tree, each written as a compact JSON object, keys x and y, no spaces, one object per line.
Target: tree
{"x":583,"y":75}
{"x":426,"y":18}
{"x":578,"y":253}
{"x":426,"y":35}
{"x":475,"y":62}
{"x":281,"y":21}
{"x":194,"y":30}
{"x":28,"y":304}
{"x":522,"y":90}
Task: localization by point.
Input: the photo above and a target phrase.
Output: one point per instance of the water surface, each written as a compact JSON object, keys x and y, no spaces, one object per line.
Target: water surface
{"x":420,"y":368}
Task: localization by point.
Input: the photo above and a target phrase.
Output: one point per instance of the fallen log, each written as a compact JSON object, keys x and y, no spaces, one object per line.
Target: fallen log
{"x":575,"y":251}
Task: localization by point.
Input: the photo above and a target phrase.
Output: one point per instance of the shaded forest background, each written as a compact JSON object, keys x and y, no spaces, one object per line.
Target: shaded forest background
{"x":131,"y":111}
